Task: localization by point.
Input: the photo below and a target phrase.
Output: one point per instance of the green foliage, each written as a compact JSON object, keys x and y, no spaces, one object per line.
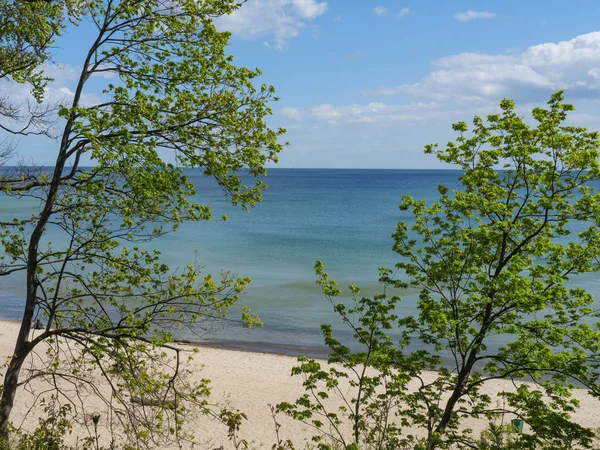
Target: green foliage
{"x":365,"y":384}
{"x":499,"y":437}
{"x":110,"y":304}
{"x":280,"y":444}
{"x":233,"y":420}
{"x":53,"y":429}
{"x":27,"y":31}
{"x":498,"y":258}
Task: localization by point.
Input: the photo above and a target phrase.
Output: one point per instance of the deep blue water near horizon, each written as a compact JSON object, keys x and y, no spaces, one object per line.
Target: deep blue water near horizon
{"x":344,"y":217}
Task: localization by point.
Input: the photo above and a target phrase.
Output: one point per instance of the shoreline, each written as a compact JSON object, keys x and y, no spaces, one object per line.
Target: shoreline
{"x":252,"y":380}
{"x":320,"y":353}
{"x":261,"y":347}
{"x":275,"y":349}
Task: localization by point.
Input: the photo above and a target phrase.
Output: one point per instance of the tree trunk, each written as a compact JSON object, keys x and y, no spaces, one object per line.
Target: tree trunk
{"x":22,"y":347}
{"x":11,"y":379}
{"x":439,"y":431}
{"x":463,"y":377}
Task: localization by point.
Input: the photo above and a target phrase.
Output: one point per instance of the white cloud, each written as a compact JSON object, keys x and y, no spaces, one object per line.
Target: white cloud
{"x":337,"y":19}
{"x":59,"y":90}
{"x":473,"y":15}
{"x":373,"y":112}
{"x":279,"y":20}
{"x":66,"y":91}
{"x":326,"y":112}
{"x":64,"y":73}
{"x":379,"y":10}
{"x":106,"y":74}
{"x":61,"y":73}
{"x":293,"y":114}
{"x":529,"y":75}
{"x":309,"y":9}
{"x":403,"y":12}
{"x":594,"y":73}
{"x":63,"y":94}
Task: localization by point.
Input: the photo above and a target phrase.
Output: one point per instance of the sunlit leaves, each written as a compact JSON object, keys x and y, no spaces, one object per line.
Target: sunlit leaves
{"x":173,"y":99}
{"x":494,"y":261}
{"x":496,"y":257}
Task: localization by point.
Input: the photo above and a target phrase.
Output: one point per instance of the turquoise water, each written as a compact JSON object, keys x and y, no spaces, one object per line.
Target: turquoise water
{"x":343,"y":217}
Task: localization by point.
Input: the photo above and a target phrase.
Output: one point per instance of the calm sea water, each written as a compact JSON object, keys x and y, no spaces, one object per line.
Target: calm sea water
{"x":343,"y":217}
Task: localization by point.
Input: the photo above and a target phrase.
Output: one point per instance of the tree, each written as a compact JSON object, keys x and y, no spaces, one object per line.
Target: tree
{"x":27,"y":31}
{"x":361,"y":387}
{"x":109,"y":303}
{"x":499,"y":257}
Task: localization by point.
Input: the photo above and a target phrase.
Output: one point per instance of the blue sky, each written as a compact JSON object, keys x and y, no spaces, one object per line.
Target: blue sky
{"x":367,"y":83}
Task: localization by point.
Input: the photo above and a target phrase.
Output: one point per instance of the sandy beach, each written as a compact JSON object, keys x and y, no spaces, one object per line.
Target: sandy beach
{"x":251,"y":381}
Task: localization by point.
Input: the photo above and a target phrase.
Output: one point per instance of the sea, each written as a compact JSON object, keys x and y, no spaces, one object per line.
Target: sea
{"x":343,"y":217}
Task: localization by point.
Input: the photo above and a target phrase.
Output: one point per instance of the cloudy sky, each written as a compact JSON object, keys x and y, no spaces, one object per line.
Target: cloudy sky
{"x":367,"y":83}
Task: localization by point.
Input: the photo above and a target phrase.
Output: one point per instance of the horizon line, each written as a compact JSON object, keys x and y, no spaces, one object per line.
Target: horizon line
{"x":270,"y":168}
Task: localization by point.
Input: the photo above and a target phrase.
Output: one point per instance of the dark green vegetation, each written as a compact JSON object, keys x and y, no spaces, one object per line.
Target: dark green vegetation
{"x":493,"y":258}
{"x":107,"y":301}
